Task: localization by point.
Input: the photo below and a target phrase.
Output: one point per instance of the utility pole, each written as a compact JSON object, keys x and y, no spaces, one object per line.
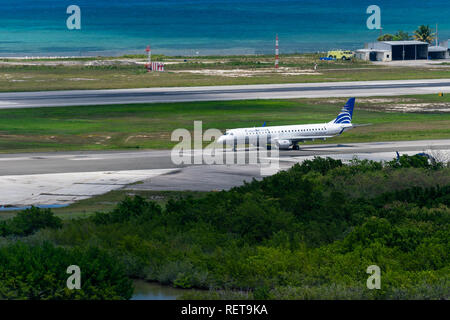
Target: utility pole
{"x":276,"y":52}
{"x":149,"y":54}
{"x":437,"y":37}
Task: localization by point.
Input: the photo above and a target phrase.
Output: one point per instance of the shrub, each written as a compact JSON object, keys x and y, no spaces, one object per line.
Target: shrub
{"x":29,"y":221}
{"x":39,"y":272}
{"x":130,"y":208}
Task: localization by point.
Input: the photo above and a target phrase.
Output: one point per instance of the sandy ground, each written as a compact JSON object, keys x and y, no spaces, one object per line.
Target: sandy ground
{"x":415,"y":63}
{"x":418,"y":107}
{"x":398,"y":105}
{"x":72,"y":61}
{"x":234,"y":73}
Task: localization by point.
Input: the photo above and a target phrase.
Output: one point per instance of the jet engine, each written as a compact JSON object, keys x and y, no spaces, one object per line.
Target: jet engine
{"x":283,"y":144}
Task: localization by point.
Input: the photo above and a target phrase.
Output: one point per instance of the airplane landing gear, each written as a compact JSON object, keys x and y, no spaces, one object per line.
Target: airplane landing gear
{"x":295,"y":147}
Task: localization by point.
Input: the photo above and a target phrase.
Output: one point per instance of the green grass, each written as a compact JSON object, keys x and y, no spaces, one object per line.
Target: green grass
{"x":114,"y":74}
{"x":149,"y":126}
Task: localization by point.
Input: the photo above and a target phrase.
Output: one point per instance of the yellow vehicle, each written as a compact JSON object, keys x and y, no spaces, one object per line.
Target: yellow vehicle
{"x":341,"y":54}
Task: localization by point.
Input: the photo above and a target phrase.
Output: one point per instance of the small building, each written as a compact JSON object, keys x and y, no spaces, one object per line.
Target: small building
{"x":446,"y":44}
{"x":394,"y":50}
{"x":373,"y":55}
{"x":437,"y":52}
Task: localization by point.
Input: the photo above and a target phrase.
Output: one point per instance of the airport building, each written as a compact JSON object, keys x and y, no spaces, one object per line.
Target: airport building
{"x":403,"y":50}
{"x":393,"y":50}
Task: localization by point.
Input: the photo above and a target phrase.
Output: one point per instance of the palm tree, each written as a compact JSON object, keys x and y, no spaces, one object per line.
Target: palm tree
{"x":423,"y":33}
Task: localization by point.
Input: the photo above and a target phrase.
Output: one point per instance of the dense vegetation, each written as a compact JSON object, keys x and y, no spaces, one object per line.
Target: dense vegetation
{"x":39,"y":272}
{"x":28,"y":221}
{"x":306,"y":233}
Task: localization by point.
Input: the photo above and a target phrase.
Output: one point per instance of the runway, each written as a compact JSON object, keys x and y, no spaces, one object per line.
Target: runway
{"x":220,"y":93}
{"x":63,"y":178}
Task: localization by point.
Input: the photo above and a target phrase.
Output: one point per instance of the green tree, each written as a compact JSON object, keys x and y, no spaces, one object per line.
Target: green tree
{"x":386,"y":37}
{"x":401,"y":35}
{"x":29,"y":221}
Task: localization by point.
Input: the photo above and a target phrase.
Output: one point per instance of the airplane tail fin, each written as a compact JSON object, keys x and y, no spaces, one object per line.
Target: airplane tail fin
{"x":346,"y":113}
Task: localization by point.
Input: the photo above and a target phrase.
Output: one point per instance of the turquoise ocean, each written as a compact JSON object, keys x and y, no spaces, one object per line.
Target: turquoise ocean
{"x":200,"y":27}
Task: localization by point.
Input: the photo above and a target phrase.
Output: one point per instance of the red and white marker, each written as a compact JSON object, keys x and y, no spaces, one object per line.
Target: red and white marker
{"x":276,"y":52}
{"x":157,"y":66}
{"x":153,"y":66}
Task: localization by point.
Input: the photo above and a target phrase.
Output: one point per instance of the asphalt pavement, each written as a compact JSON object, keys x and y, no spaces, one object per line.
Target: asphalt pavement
{"x":66,"y":177}
{"x":11,"y":100}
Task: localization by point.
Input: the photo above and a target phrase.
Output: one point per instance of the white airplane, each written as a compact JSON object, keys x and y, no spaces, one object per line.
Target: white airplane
{"x":285,"y":137}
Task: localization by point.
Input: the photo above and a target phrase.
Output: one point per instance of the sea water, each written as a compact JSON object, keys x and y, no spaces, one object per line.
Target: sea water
{"x":200,"y":27}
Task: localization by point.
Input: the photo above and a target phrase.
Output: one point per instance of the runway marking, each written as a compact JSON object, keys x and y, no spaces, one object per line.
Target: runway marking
{"x":85,"y":159}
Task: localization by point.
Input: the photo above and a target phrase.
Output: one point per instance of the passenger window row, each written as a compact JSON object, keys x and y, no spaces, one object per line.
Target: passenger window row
{"x":284,"y":131}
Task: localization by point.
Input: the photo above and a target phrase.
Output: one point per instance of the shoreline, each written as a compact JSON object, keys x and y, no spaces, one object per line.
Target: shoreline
{"x":144,"y":54}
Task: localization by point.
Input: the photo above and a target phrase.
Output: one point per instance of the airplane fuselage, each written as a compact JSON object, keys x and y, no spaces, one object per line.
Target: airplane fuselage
{"x":284,"y":136}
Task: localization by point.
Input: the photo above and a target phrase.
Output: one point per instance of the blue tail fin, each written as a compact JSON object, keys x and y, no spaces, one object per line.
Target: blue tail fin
{"x":346,"y":113}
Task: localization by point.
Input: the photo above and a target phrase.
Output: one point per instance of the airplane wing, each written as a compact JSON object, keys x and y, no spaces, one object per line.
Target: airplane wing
{"x":306,"y":138}
{"x":285,"y":143}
